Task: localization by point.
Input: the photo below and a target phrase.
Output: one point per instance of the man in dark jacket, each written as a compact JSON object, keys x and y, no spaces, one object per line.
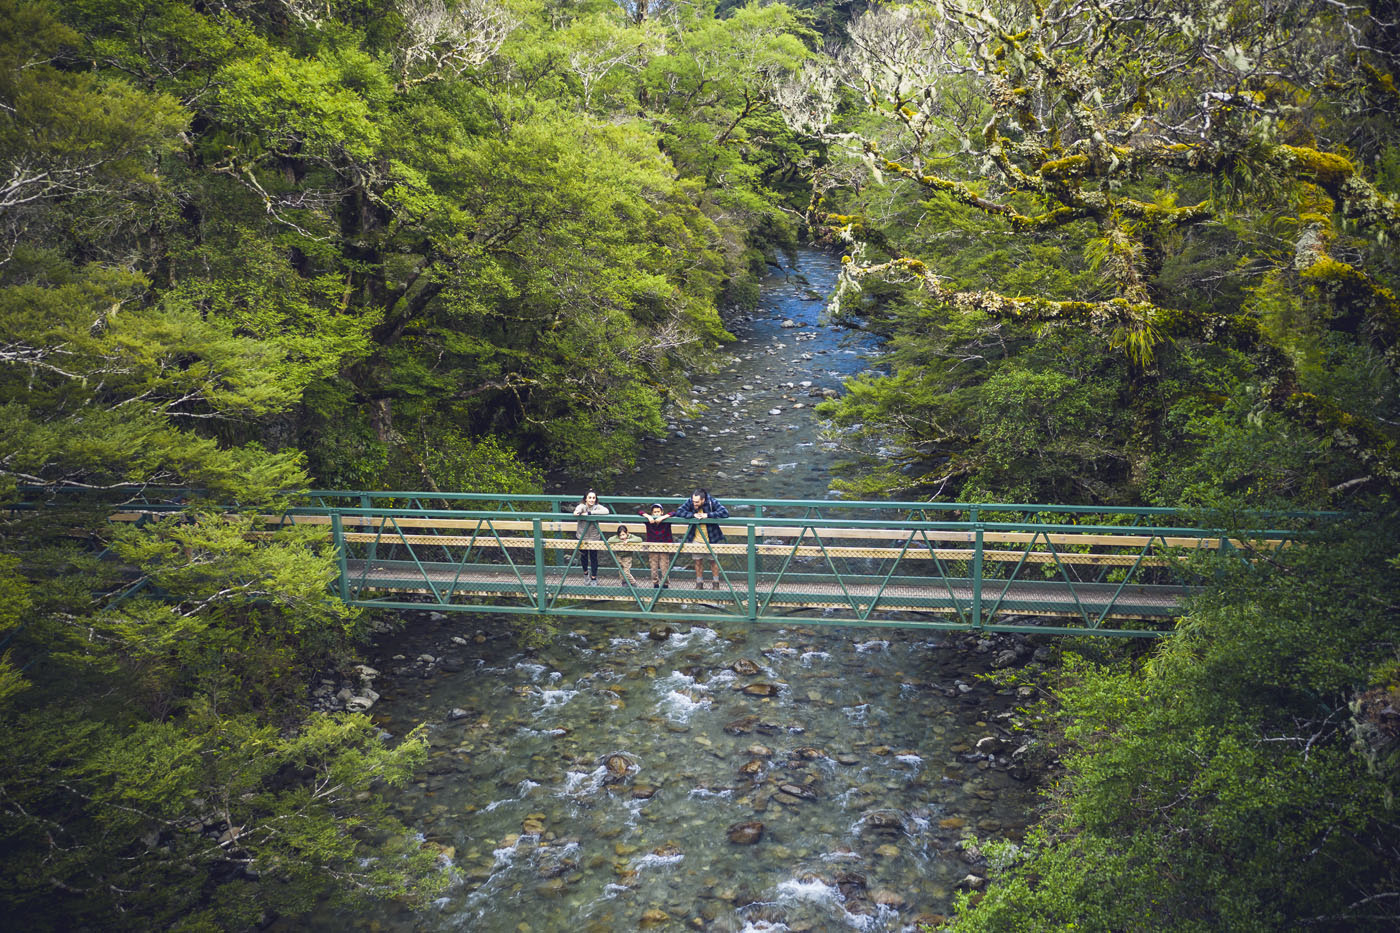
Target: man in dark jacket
{"x":702,"y":505}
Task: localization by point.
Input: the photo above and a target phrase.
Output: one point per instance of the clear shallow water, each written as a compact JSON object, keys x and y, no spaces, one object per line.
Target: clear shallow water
{"x":596,"y":785}
{"x":759,"y":404}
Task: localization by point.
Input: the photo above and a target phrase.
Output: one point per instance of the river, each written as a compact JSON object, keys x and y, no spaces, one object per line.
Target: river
{"x":720,"y":778}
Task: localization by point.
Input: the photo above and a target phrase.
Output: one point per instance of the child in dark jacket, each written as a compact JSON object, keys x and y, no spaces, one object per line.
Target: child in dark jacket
{"x":658,"y":531}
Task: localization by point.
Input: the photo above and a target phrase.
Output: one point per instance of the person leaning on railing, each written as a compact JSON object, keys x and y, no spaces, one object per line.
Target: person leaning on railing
{"x":657,"y":531}
{"x":621,"y":544}
{"x":702,"y":505}
{"x":590,"y":538}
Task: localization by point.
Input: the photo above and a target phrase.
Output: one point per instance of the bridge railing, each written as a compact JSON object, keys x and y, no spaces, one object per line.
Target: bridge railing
{"x":806,"y":508}
{"x":1072,"y":568}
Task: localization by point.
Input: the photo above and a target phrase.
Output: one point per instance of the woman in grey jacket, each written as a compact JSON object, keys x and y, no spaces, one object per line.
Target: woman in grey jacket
{"x":587,"y":532}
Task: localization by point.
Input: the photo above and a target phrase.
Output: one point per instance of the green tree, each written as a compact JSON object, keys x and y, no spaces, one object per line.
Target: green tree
{"x":1212,"y":231}
{"x":160,"y":769}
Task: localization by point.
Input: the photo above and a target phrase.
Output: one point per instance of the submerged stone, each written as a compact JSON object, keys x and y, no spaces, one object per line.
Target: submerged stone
{"x":741,"y":726}
{"x":800,"y":791}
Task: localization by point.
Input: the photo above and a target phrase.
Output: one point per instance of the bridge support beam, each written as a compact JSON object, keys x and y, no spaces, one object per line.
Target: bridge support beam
{"x":539,"y":565}
{"x":753,"y":574}
{"x":338,"y":535}
{"x":977,"y":619}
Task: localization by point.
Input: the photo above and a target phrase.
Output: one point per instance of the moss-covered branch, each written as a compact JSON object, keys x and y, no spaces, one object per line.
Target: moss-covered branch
{"x":1138,"y":328}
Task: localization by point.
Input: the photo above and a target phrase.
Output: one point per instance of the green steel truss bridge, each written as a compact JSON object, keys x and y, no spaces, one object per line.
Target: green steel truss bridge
{"x":1051,"y":569}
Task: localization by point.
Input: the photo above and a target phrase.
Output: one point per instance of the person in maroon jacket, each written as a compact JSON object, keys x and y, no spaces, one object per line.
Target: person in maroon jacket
{"x":658,"y":531}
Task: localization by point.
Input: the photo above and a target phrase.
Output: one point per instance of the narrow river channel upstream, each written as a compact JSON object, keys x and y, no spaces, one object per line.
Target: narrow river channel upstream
{"x":723,"y":778}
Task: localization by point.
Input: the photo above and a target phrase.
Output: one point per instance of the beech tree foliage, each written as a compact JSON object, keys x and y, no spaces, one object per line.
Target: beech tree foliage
{"x":1148,"y":147}
{"x":251,"y":247}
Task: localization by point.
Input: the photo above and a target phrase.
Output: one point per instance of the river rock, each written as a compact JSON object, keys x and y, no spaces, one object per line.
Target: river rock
{"x":887,"y":851}
{"x":660,"y":632}
{"x":788,"y":324}
{"x":457,"y":713}
{"x":452,"y":665}
{"x":990,"y":744}
{"x":800,"y":791}
{"x":554,"y":887}
{"x":886,"y":822}
{"x":759,"y":751}
{"x":744,"y":667}
{"x":745,"y":834}
{"x":1004,"y":659}
{"x":762,"y":690}
{"x":751,"y":768}
{"x":971,"y":882}
{"x":617,"y":765}
{"x":741,"y":726}
{"x":851,"y":884}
